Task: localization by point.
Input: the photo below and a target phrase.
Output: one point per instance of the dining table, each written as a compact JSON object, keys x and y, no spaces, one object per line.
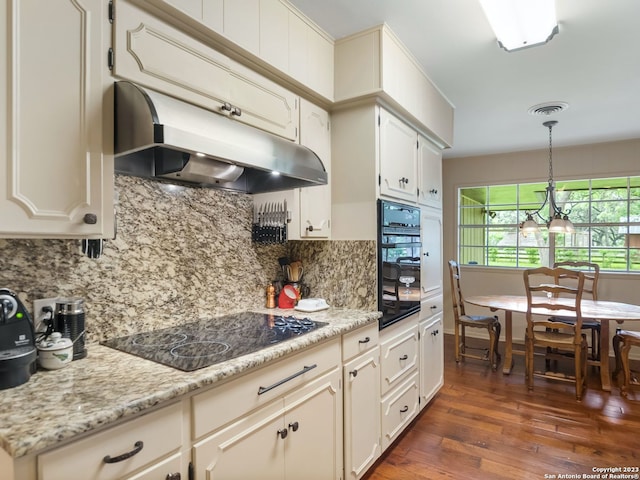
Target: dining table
{"x":602,"y":310}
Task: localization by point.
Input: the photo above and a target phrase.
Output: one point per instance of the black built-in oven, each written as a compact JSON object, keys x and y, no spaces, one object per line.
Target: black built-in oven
{"x":398,"y":261}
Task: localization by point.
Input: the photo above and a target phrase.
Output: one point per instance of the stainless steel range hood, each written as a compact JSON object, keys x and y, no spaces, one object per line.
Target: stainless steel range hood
{"x":162,"y":137}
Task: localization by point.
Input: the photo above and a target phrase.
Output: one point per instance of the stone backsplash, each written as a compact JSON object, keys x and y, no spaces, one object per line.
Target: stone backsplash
{"x":180,"y":254}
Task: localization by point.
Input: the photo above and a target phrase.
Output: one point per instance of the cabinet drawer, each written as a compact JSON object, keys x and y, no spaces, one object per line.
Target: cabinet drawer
{"x":161,"y":470}
{"x":220,"y":405}
{"x":359,"y":341}
{"x":160,"y":433}
{"x":398,"y":357}
{"x":430,"y":307}
{"x":398,"y":409}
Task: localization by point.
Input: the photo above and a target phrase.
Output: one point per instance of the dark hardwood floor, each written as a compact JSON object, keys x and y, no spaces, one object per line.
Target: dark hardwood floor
{"x":486,"y":425}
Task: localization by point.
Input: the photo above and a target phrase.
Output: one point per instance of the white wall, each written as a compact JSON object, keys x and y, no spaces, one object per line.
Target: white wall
{"x":614,"y":159}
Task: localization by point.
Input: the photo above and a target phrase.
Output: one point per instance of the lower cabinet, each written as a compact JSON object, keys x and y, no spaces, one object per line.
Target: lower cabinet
{"x":431,"y":357}
{"x":151,"y":442}
{"x":296,"y":437}
{"x":399,"y":408}
{"x":361,"y":377}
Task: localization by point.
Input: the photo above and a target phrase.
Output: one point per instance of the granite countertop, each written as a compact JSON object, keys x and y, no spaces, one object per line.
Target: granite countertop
{"x":109,"y":385}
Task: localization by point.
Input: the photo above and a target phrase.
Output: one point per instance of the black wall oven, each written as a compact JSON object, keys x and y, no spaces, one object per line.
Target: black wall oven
{"x":398,"y":261}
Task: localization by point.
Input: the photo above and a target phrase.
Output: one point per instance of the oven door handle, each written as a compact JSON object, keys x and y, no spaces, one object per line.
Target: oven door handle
{"x":304,"y":370}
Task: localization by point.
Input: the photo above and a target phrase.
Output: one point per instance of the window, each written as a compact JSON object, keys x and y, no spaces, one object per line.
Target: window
{"x":605,"y":213}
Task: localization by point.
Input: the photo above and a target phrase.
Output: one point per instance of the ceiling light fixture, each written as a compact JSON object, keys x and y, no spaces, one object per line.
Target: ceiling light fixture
{"x":521,"y":23}
{"x":558,"y":221}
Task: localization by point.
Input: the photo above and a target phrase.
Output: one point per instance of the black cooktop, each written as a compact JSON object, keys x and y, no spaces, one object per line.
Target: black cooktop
{"x":207,"y":342}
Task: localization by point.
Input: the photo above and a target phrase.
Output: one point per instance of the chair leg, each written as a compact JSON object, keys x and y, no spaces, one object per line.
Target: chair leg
{"x":498,"y":329}
{"x":580,"y":360}
{"x":528,"y":360}
{"x":626,"y":368}
{"x":616,"y":350}
{"x":492,"y":341}
{"x":457,"y":342}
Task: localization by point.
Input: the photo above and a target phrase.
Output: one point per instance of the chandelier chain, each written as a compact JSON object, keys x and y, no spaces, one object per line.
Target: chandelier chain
{"x":550,"y":162}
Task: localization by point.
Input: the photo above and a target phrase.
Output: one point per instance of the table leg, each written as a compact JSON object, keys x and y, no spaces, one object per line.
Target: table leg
{"x":508,"y":343}
{"x":605,"y":376}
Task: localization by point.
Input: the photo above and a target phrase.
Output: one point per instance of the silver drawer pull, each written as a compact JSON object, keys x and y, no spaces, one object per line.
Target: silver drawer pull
{"x":137,"y":448}
{"x":304,"y":370}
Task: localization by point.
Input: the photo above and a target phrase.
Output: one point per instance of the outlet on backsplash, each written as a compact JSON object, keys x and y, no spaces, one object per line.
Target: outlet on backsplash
{"x":41,"y":312}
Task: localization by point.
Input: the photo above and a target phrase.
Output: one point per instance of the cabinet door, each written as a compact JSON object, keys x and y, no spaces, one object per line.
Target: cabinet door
{"x":274,"y":33}
{"x":55,"y":157}
{"x":315,"y":202}
{"x":313,"y":417}
{"x":431,"y":265}
{"x":161,"y":57}
{"x":398,"y":356}
{"x":431,"y":358}
{"x":399,"y":407}
{"x":252,"y":447}
{"x":361,"y":413}
{"x":398,"y":158}
{"x":429,"y":173}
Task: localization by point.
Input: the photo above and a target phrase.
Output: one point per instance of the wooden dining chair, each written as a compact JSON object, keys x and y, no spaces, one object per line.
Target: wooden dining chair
{"x":547,"y":289}
{"x":462,"y":321}
{"x":591,"y":275}
{"x":623,"y":340}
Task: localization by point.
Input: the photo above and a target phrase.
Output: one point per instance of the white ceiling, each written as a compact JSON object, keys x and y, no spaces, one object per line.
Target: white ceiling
{"x":593,"y":64}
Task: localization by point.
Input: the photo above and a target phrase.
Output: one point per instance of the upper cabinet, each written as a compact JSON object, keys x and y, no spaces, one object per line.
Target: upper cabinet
{"x":56,"y":159}
{"x":375,"y":63}
{"x":272,"y":33}
{"x":429,"y":173}
{"x":398,"y":158}
{"x":150,"y":52}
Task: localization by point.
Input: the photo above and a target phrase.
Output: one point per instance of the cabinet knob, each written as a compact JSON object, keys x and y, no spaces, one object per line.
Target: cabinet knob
{"x":294,"y":426}
{"x":404,"y":357}
{"x":404,"y":409}
{"x":435,"y":332}
{"x":283,"y":432}
{"x":433,"y":307}
{"x":236,"y":111}
{"x":426,"y":254}
{"x":366,"y":340}
{"x":433,"y":191}
{"x":227,"y":107}
{"x":90,"y":218}
{"x":353,"y":373}
{"x":173,"y":476}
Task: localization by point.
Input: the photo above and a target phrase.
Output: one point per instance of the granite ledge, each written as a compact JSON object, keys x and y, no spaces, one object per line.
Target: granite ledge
{"x":109,"y":385}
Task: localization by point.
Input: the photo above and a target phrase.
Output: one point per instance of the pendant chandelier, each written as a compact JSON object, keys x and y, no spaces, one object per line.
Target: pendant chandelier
{"x":558,"y":220}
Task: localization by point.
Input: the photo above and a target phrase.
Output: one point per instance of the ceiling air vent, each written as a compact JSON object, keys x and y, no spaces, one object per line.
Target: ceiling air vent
{"x":548,"y":108}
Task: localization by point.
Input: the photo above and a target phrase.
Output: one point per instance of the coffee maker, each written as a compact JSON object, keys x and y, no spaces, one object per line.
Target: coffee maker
{"x":17,"y":341}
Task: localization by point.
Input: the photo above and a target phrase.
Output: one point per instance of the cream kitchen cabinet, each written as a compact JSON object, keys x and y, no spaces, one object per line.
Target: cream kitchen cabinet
{"x":286,"y":418}
{"x":429,"y":173}
{"x":271,"y":31}
{"x":296,"y":437}
{"x":375,"y":62}
{"x":56,"y":158}
{"x":398,"y":158}
{"x":361,"y":374}
{"x":431,"y":350}
{"x":399,"y":377}
{"x":309,"y":207}
{"x":144,"y":448}
{"x":431,"y":263}
{"x":155,"y":54}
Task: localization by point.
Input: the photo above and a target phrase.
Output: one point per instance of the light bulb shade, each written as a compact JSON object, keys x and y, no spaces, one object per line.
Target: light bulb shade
{"x":529,"y":226}
{"x":568,"y":225}
{"x":521,"y":23}
{"x":558,"y":225}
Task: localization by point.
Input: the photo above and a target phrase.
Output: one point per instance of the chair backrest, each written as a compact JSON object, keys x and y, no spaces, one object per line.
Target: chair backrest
{"x":591,"y":273}
{"x":456,"y":292}
{"x":556,"y":289}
